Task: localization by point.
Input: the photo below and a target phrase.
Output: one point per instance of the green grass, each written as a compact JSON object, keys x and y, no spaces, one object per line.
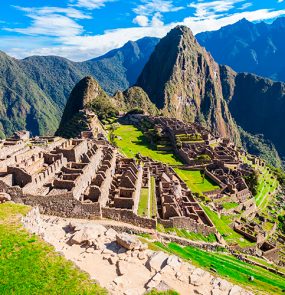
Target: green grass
{"x":143,"y":203}
{"x":153,"y":201}
{"x":131,"y":141}
{"x":266,"y":187}
{"x":30,"y":266}
{"x":183,"y":233}
{"x":222,"y":226}
{"x":195,"y":182}
{"x":231,"y":268}
{"x":230,"y":205}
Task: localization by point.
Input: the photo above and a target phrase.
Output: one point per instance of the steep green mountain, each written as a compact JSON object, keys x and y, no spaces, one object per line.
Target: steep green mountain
{"x":56,"y":76}
{"x":23,"y":105}
{"x":249,"y":47}
{"x":34,"y":91}
{"x":183,"y":80}
{"x":257,"y":104}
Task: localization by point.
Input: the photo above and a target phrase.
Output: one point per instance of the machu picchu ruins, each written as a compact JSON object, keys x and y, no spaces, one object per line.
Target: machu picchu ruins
{"x":88,"y":177}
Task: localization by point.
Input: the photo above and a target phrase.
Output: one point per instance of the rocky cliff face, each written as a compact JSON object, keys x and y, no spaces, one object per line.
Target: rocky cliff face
{"x":87,"y":96}
{"x":183,"y":80}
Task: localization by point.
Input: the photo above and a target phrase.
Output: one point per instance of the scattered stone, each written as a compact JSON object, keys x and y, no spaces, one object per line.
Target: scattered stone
{"x":127,"y":241}
{"x":157,"y":261}
{"x":141,"y":256}
{"x":162,"y":287}
{"x":4,"y":197}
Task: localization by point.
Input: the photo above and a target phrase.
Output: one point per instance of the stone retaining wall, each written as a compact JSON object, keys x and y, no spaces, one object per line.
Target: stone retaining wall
{"x":128,"y":216}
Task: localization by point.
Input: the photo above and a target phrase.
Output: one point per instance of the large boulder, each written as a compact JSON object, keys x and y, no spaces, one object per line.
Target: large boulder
{"x":88,"y":234}
{"x":174,"y":262}
{"x":129,"y":242}
{"x":157,"y":261}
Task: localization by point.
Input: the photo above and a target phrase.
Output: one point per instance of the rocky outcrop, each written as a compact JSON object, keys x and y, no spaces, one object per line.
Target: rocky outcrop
{"x":87,"y":101}
{"x":183,"y":80}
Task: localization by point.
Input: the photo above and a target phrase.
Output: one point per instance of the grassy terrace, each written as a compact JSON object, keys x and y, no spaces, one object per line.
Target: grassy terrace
{"x":230,"y":268}
{"x":223,"y":227}
{"x":131,"y":141}
{"x":183,"y":233}
{"x":195,"y":181}
{"x":267,"y":185}
{"x":143,"y":204}
{"x":30,"y":266}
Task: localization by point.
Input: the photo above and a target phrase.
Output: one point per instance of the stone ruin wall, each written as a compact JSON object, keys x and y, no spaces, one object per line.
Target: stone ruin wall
{"x":128,"y":216}
{"x":64,"y":205}
{"x":189,"y":224}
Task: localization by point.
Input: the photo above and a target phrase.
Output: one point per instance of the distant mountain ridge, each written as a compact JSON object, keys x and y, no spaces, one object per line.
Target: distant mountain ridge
{"x":257,"y":48}
{"x":41,"y":85}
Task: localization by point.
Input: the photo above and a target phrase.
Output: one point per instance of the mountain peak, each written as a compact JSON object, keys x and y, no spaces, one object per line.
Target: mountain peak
{"x":84,"y":92}
{"x":182,"y":79}
{"x":244,"y":21}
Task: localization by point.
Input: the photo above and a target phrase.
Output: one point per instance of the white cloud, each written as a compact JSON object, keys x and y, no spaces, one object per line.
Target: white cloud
{"x":149,"y":7}
{"x":208,"y":9}
{"x":90,"y":4}
{"x":157,"y":20}
{"x":141,"y":20}
{"x":215,"y":23}
{"x":67,"y":39}
{"x":245,"y":6}
{"x":280,"y":1}
{"x":52,"y":21}
{"x":43,"y":11}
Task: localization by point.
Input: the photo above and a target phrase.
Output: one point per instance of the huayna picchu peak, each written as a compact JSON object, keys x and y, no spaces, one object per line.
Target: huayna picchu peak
{"x":183,"y":80}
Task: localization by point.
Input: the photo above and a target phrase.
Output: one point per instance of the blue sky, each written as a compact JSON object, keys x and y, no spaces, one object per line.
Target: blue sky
{"x":83,"y":29}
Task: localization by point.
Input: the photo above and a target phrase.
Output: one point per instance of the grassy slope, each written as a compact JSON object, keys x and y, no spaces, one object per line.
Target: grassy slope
{"x":132,"y":141}
{"x":230,"y":268}
{"x":30,"y":266}
{"x":225,"y":230}
{"x":195,"y":181}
